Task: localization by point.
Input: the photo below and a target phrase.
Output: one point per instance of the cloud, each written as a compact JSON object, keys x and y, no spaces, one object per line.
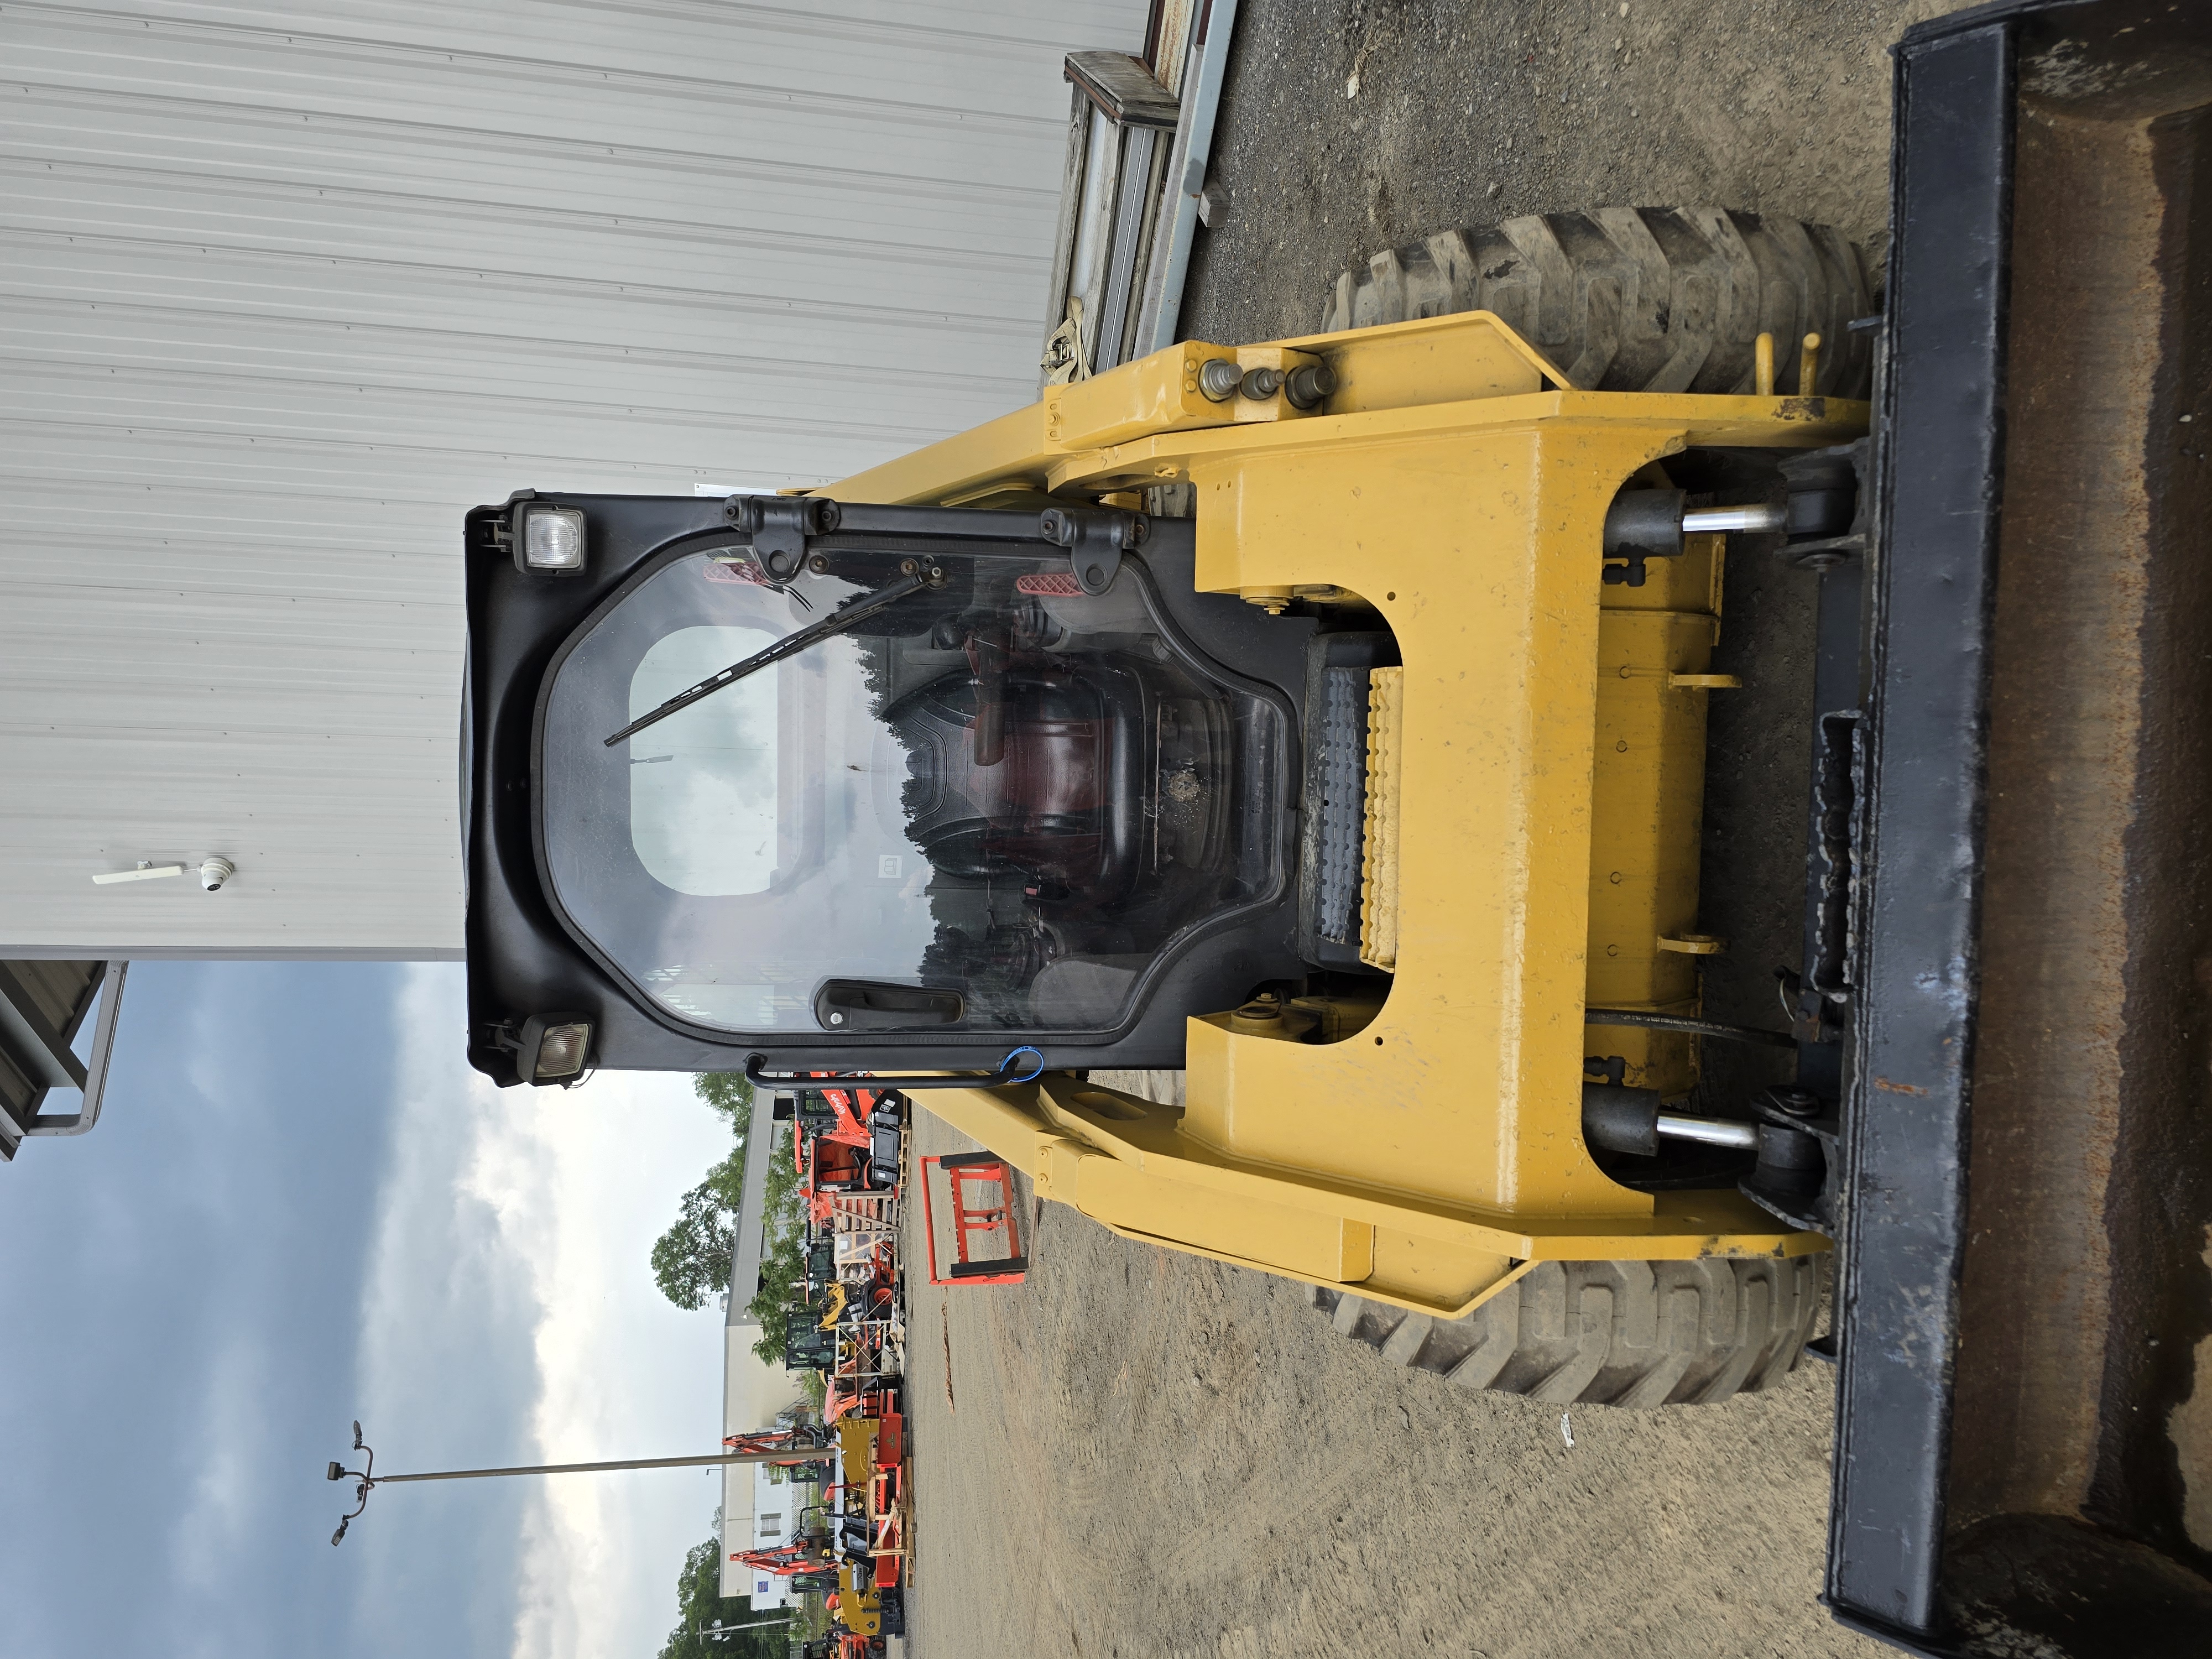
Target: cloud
{"x":185,"y":1320}
{"x":300,"y":1207}
{"x":216,"y":1519}
{"x":510,"y":1316}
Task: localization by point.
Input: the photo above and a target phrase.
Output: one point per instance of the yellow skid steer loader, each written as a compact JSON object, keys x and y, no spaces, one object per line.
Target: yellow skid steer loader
{"x":1326,"y":721}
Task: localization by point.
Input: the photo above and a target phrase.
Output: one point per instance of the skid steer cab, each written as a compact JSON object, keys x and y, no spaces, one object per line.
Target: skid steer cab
{"x":816,"y":784}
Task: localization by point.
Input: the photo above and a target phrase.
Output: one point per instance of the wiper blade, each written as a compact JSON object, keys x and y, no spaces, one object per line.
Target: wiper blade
{"x":851,"y":613}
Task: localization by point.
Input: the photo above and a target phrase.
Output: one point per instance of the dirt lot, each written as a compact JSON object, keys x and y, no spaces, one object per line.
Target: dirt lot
{"x":1140,"y":1455}
{"x":1146,"y":1456}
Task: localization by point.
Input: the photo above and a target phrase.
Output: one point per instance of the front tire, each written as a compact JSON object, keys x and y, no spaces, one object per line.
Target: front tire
{"x":1634,"y":1334}
{"x":1639,"y":299}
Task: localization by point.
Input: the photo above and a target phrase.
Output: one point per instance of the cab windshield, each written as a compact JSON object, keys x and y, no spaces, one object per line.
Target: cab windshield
{"x":998,"y":788}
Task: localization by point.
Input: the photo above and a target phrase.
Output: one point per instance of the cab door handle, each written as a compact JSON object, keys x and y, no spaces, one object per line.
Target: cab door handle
{"x":867,"y":1005}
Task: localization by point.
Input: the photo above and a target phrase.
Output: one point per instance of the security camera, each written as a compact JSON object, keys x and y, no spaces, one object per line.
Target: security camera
{"x":216,"y":872}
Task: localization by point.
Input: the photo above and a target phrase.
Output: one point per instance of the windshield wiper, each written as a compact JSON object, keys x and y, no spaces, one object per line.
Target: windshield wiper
{"x":853,"y":612}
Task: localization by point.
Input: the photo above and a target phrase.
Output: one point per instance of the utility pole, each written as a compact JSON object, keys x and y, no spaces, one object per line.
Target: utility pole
{"x":718,"y":1630}
{"x":587,"y":1468}
{"x":795,"y":1445}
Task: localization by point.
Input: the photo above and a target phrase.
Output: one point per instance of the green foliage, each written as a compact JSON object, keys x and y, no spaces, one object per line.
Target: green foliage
{"x":813,"y":1611}
{"x":728,"y":1093}
{"x":691,"y":1260}
{"x":699,"y":1603}
{"x":783,"y":1261}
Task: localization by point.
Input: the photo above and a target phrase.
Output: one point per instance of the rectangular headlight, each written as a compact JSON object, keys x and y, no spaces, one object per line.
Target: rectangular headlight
{"x":553,"y":1048}
{"x":552,"y":538}
{"x":562,"y":1054}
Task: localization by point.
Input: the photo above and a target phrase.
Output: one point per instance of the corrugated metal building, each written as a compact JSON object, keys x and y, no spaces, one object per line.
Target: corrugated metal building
{"x":287,"y":289}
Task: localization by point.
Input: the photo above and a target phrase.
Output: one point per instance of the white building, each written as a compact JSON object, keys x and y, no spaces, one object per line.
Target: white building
{"x":757,"y":1514}
{"x":285,"y":295}
{"x":775,"y":1520}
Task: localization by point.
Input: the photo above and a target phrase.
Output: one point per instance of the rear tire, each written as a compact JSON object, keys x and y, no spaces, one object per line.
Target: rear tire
{"x":1635,"y":1334}
{"x":1639,"y":299}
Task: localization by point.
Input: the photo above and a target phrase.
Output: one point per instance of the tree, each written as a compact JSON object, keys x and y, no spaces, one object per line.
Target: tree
{"x":730,"y":1094}
{"x":691,"y":1260}
{"x":700,"y":1602}
{"x":782,"y":1262}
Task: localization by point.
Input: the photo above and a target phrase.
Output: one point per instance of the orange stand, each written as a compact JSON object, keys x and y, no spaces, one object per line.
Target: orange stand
{"x":978,"y":1214}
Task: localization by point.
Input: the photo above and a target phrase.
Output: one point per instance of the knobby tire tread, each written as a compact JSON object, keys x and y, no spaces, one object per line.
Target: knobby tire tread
{"x":1632,"y":1333}
{"x":1639,"y":299}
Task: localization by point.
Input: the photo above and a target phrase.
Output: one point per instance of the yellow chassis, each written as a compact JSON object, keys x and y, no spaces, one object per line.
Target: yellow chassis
{"x":1542,"y":790}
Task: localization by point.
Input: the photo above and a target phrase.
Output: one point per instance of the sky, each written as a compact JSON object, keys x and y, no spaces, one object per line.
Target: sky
{"x":300,"y":1207}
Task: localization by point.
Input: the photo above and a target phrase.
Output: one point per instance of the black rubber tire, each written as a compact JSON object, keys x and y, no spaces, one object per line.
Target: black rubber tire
{"x":1639,"y":299}
{"x":1634,"y":1334}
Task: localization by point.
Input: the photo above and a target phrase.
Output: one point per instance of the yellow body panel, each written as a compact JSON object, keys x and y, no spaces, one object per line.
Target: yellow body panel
{"x":856,"y":1443}
{"x":859,"y":1608}
{"x":1096,"y":1149}
{"x":1548,"y":736}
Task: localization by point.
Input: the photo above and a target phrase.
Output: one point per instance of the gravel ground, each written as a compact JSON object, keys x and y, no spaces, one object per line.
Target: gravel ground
{"x":1142,"y":1455}
{"x":1467,"y":113}
{"x":1139,"y":1454}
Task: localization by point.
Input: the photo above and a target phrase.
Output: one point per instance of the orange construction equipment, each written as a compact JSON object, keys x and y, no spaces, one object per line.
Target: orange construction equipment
{"x":981,"y":1192}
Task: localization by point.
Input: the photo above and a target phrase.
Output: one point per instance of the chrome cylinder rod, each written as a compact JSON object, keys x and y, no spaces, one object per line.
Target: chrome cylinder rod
{"x":1760,"y":518}
{"x":1712,"y":1131}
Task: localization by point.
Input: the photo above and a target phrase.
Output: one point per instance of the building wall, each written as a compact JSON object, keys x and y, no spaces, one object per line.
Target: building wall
{"x":775,"y":1524}
{"x":753,"y":1393}
{"x":284,"y":291}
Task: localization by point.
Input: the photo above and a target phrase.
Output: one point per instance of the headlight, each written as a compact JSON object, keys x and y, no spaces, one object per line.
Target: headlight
{"x":553,"y":1048}
{"x":552,"y":539}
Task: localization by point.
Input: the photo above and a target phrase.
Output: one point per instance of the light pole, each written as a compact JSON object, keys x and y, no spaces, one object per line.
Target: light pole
{"x":768,"y":1446}
{"x":718,"y":1630}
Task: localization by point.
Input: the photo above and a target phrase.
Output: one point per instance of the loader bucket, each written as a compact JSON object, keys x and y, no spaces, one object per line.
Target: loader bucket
{"x":2024,"y":1413}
